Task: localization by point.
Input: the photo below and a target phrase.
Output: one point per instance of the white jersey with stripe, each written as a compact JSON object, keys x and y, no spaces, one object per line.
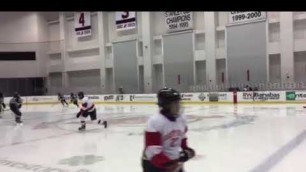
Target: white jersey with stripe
{"x":87,"y":104}
{"x":171,"y":133}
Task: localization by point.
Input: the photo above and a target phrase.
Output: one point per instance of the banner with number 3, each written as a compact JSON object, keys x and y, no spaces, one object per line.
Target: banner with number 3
{"x":125,"y":20}
{"x":82,"y":24}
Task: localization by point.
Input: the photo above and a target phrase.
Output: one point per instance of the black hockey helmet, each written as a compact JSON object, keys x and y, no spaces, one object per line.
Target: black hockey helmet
{"x":81,"y":94}
{"x":16,"y":95}
{"x":71,"y":94}
{"x":166,"y":96}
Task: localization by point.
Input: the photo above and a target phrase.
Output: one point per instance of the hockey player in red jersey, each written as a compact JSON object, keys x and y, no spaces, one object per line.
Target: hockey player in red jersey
{"x":166,"y":147}
{"x":87,"y":108}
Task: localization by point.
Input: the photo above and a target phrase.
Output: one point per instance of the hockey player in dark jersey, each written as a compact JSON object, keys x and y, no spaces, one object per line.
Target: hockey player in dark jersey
{"x":87,"y":108}
{"x":166,"y":148}
{"x":62,"y":99}
{"x":15,"y":105}
{"x":74,"y":99}
{"x":2,"y":105}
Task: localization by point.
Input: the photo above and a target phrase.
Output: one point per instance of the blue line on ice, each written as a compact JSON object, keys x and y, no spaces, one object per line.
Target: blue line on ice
{"x":277,"y":156}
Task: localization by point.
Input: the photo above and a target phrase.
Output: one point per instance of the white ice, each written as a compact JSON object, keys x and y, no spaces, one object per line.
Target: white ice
{"x":227,"y":138}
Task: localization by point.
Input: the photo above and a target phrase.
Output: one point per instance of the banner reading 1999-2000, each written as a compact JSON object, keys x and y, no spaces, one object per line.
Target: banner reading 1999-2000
{"x":242,"y":17}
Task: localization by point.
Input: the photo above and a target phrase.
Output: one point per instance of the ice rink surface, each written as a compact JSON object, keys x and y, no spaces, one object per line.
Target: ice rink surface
{"x":227,"y":138}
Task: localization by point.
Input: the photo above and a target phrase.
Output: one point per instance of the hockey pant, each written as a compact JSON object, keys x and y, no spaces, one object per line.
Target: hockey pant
{"x":75,"y":102}
{"x":148,"y":167}
{"x":93,"y":115}
{"x":16,"y":111}
{"x":63,"y":101}
{"x":2,"y":107}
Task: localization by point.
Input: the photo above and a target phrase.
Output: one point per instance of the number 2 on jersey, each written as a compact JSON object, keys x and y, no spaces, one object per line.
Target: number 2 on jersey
{"x":173,"y":141}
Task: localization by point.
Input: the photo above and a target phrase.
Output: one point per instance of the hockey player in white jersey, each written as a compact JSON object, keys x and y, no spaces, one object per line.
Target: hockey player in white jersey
{"x":166,"y":147}
{"x":87,"y":108}
{"x":15,"y":105}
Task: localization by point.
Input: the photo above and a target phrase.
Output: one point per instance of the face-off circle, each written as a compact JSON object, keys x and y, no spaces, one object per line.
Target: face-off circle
{"x":127,"y":120}
{"x":141,"y":120}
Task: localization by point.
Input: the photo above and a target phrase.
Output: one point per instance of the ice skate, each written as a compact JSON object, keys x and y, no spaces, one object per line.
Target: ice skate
{"x":82,"y":128}
{"x":19,"y":123}
{"x":103,"y":123}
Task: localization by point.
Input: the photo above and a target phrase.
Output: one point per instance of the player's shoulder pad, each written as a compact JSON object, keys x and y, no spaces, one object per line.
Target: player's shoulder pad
{"x":154,"y":123}
{"x":182,"y":119}
{"x":85,"y":99}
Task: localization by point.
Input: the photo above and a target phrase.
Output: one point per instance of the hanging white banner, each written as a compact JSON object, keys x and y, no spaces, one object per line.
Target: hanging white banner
{"x":241,"y":17}
{"x":178,"y":21}
{"x":125,"y":20}
{"x":82,"y":24}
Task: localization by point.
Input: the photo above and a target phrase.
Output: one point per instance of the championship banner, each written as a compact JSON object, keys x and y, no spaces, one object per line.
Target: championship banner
{"x":125,"y":20}
{"x":242,"y":17}
{"x":178,"y":21}
{"x":82,"y":24}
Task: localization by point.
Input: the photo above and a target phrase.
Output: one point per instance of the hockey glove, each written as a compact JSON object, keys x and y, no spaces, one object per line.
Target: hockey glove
{"x":186,"y":154}
{"x":79,"y":114}
{"x":172,"y":166}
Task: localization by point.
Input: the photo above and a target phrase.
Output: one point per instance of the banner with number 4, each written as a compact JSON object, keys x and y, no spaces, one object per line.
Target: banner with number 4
{"x":82,"y":24}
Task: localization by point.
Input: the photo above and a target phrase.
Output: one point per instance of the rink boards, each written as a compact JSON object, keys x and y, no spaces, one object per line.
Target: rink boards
{"x":196,"y":98}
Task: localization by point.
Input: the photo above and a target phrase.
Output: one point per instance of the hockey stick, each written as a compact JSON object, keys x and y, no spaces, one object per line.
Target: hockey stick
{"x":178,"y":168}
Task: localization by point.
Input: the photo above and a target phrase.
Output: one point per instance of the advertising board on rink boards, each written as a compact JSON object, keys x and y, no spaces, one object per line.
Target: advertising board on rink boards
{"x":95,"y":97}
{"x":115,"y":98}
{"x":143,"y":97}
{"x":199,"y":97}
{"x":194,"y":97}
{"x":207,"y":97}
{"x":261,"y":96}
{"x":225,"y":96}
{"x":152,"y":98}
{"x":6,"y":100}
{"x":296,"y":96}
{"x":125,"y":98}
{"x":41,"y":99}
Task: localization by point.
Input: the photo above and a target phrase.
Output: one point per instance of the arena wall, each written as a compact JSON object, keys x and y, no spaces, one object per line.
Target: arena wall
{"x":196,"y":98}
